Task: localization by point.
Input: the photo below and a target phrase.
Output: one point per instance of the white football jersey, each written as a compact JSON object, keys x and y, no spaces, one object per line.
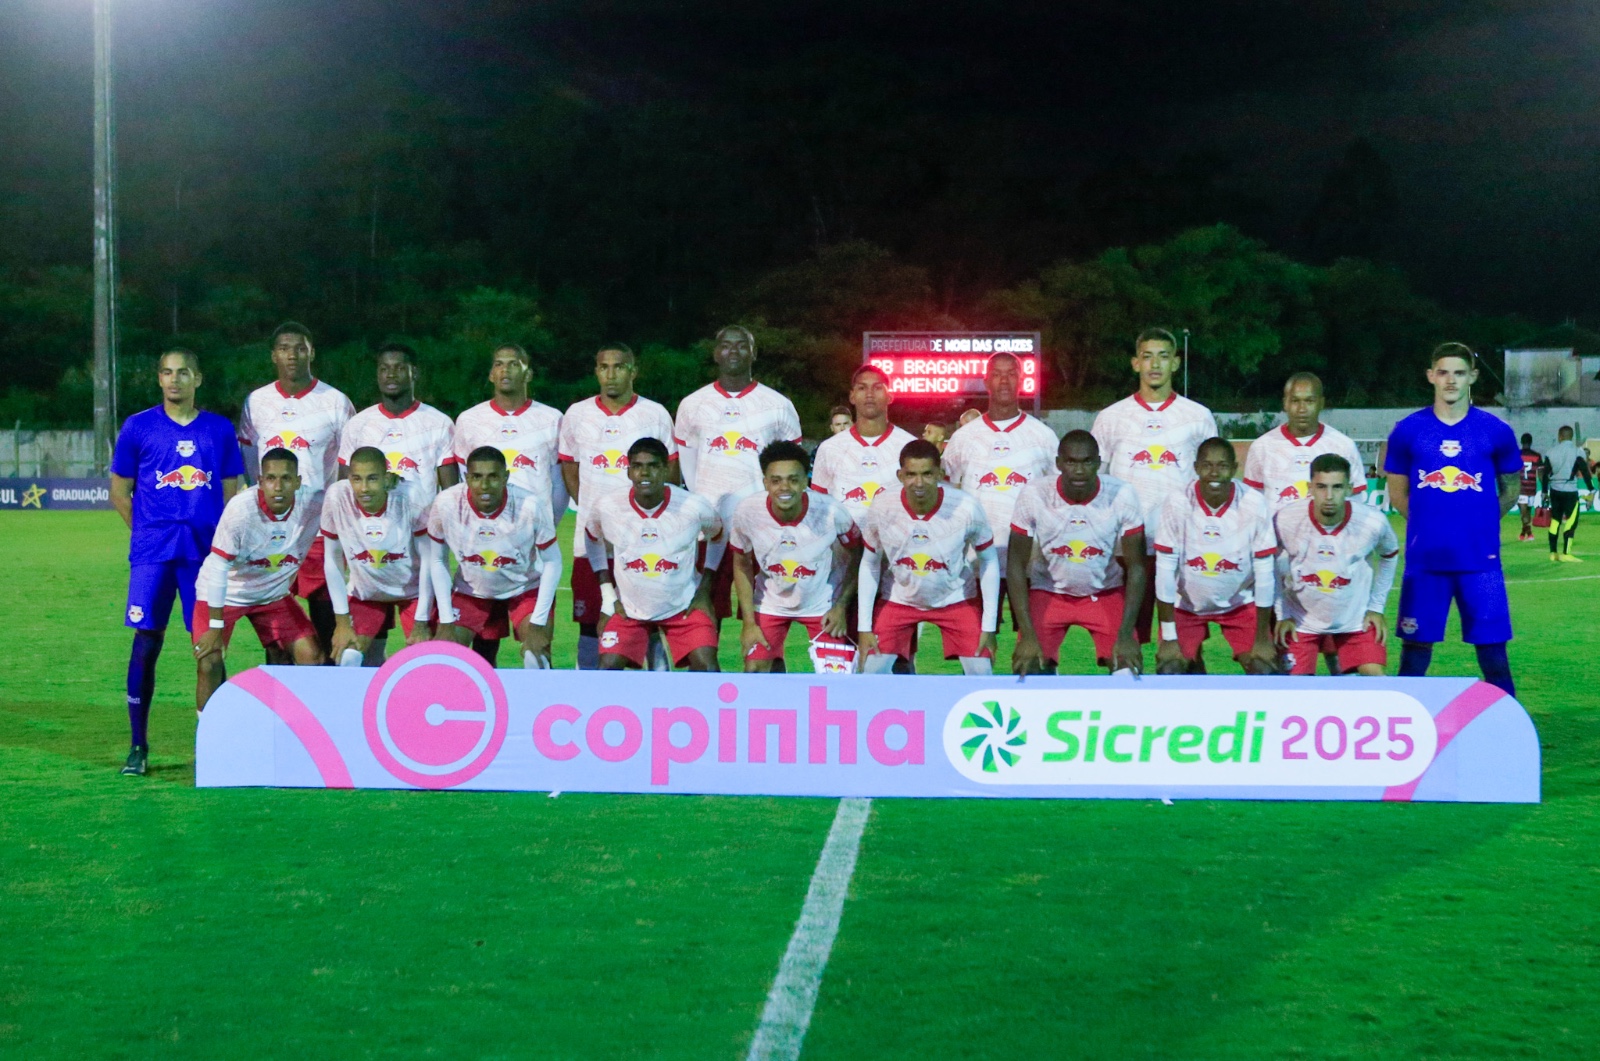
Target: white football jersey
{"x":526,"y":435}
{"x":1279,"y":465}
{"x":655,"y":554}
{"x":795,"y":573}
{"x":307,"y":424}
{"x":416,"y":444}
{"x":1076,"y":545}
{"x":1216,"y":548}
{"x":597,"y":441}
{"x":727,"y":433}
{"x":994,"y":462}
{"x":1152,"y":447}
{"x":379,"y":549}
{"x":926,"y":557}
{"x":1327,"y":578}
{"x":853,"y":469}
{"x":497,"y":555}
{"x":264,"y":551}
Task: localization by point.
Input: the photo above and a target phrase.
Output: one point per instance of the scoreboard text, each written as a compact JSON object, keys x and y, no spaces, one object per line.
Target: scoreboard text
{"x":950,"y":366}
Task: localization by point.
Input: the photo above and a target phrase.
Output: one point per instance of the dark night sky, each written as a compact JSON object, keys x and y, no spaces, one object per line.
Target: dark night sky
{"x":1487,"y":113}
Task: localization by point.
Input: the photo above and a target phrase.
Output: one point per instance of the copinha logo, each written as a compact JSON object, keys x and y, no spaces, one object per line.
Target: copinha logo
{"x":1000,"y":736}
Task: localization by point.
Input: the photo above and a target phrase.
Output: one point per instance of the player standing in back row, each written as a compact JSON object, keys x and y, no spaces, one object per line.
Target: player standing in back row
{"x":1453,"y":474}
{"x":305,"y":416}
{"x":173,"y":470}
{"x":415,"y":438}
{"x":721,"y":430}
{"x":595,"y":436}
{"x":1150,"y":439}
{"x":1279,"y":462}
{"x":854,"y":466}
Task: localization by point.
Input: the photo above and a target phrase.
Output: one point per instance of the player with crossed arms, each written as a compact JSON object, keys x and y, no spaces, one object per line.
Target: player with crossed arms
{"x":508,"y":563}
{"x":1076,"y":559}
{"x":377,"y":561}
{"x":262,"y":541}
{"x":924,"y":537}
{"x":644,"y":546}
{"x":1330,"y":596}
{"x":786,"y":544}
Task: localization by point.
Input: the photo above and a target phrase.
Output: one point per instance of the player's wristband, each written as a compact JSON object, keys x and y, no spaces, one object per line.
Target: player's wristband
{"x":1169,"y":631}
{"x":216,"y":624}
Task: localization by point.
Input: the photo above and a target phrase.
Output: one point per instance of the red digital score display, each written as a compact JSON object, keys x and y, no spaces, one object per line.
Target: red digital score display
{"x":950,"y":366}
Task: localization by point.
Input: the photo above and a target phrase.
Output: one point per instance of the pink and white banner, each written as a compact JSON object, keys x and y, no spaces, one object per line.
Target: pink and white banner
{"x":437,"y":716}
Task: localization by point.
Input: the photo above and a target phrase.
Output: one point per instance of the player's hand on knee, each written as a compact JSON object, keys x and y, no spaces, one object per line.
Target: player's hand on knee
{"x":209,"y":649}
{"x":344,"y":635}
{"x":1380,"y":629}
{"x":419,"y":633}
{"x":1169,"y":658}
{"x":1027,"y":657}
{"x":867,"y":645}
{"x":535,"y":639}
{"x":1127,"y":655}
{"x":1283,"y":633}
{"x":751,"y":638}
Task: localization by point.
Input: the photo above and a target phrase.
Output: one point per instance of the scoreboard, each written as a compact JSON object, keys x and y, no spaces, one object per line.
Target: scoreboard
{"x":948,"y":367}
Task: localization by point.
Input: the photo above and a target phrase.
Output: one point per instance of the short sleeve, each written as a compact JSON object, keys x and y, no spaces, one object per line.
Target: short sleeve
{"x":1266,"y":538}
{"x":1254,"y":473}
{"x":954,"y":458}
{"x":447,"y":452}
{"x":1130,"y":515}
{"x":738,"y":536}
{"x":710,"y":522}
{"x":1209,"y":426}
{"x":1024,"y":518}
{"x":1507,"y":454}
{"x":567,"y":439}
{"x":869,"y":530}
{"x":683,"y":432}
{"x":348,"y":411}
{"x":347,"y":443}
{"x":822,"y":471}
{"x":979,"y":535}
{"x":328,"y":525}
{"x":225,"y":541}
{"x":1169,"y":524}
{"x":247,"y":429}
{"x":125,"y":457}
{"x":230,"y":460}
{"x":435,"y":518}
{"x":1102,"y":437}
{"x":1358,"y":467}
{"x":789,"y":423}
{"x":459,"y":440}
{"x":1388,"y":541}
{"x":844,"y":528}
{"x":1397,"y":457}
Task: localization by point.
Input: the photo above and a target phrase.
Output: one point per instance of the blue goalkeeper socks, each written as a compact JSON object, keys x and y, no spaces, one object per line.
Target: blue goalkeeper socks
{"x":1414,"y":660}
{"x":1496,"y":667}
{"x":142,"y":682}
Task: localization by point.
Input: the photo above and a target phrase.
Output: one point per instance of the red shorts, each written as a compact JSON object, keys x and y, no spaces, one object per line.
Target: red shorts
{"x":280,"y":623}
{"x":960,"y":625}
{"x":372,"y":618}
{"x":493,"y":620}
{"x":775,"y":628}
{"x":310,"y":580}
{"x":1056,"y":613}
{"x":1238,"y":627}
{"x":1353,"y":649}
{"x":585,"y":592}
{"x":684,"y":632}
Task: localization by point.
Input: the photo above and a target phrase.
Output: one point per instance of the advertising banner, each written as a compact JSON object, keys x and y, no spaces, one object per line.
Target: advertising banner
{"x":39,"y":495}
{"x":437,"y":716}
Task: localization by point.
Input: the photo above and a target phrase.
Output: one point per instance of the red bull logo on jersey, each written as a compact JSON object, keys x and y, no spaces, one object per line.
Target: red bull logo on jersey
{"x":733,"y":443}
{"x":1002,"y":479}
{"x":273,"y":561}
{"x":650,"y":565}
{"x":1159,"y":457}
{"x":1077,"y":551}
{"x":1449,"y":479}
{"x":1297,"y":491}
{"x":1211,"y":564}
{"x":400,"y":464}
{"x":377,"y":558}
{"x":186,"y":477}
{"x":488,"y":560}
{"x":791,"y":571}
{"x":289,"y":440}
{"x":1326,"y":581}
{"x":921,"y":564}
{"x":519,"y":461}
{"x":864,"y":494}
{"x":611,"y":462}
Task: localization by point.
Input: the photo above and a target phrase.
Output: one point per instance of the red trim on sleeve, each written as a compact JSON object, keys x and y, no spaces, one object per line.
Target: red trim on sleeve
{"x":564,"y":459}
{"x":420,"y":533}
{"x":1390,"y":556}
{"x":736,"y":549}
{"x":867,"y":546}
{"x":676,"y":441}
{"x":343,"y":463}
{"x":1162,"y":548}
{"x":819,"y":489}
{"x":1134,"y":530}
{"x":1018,"y":530}
{"x":1254,"y":485}
{"x":545,"y":545}
{"x":326,"y":533}
{"x":985,"y":545}
{"x":226,"y":556}
{"x":452,"y":459}
{"x":587,"y":533}
{"x":1263,"y":553}
{"x":430,"y":534}
{"x":1358,"y":487}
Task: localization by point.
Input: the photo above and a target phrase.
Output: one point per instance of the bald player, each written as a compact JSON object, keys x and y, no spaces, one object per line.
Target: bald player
{"x":1279,"y":462}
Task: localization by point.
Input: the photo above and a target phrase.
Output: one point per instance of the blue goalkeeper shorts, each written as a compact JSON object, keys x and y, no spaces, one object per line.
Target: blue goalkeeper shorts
{"x":1480,"y":597}
{"x":151,"y":589}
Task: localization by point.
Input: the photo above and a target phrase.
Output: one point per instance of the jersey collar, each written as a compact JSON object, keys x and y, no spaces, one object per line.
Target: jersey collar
{"x":856,"y":434}
{"x":905,"y":502}
{"x":1155,"y":408}
{"x":1233,"y":490}
{"x":261,"y":503}
{"x":602,"y":405}
{"x":722,"y":391}
{"x":518,"y":411}
{"x":413,"y":407}
{"x":1009,"y":427}
{"x":805,"y":506}
{"x":666,"y":499}
{"x":489,"y":515}
{"x":1063,"y":496}
{"x":381,"y":511}
{"x":1311,"y":510}
{"x":309,"y":387}
{"x":1312,"y":441}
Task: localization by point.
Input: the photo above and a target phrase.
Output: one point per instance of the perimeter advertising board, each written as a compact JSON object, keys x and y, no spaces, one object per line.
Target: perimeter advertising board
{"x":437,"y":717}
{"x":39,"y":495}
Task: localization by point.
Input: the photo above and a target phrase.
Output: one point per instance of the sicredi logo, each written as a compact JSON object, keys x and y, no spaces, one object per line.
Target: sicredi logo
{"x":435,"y":717}
{"x":1314,"y":738}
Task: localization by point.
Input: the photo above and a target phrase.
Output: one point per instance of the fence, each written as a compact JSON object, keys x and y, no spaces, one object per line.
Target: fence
{"x":49,"y":454}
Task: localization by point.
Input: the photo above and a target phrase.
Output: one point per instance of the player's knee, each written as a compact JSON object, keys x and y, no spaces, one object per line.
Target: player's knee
{"x":703,"y":659}
{"x":758,"y":666}
{"x":307,"y":653}
{"x":612,"y":661}
{"x":1370,"y":670}
{"x":1173,"y":666}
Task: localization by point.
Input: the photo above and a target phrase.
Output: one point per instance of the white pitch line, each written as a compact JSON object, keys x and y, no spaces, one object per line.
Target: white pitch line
{"x":1542,"y":581}
{"x":787,"y":1015}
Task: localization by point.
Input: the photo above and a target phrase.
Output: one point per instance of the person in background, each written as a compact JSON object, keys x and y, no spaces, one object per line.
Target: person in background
{"x":839,"y":419}
{"x":967,"y":418}
{"x":935,"y":434}
{"x":1564,"y":466}
{"x":1528,"y":494}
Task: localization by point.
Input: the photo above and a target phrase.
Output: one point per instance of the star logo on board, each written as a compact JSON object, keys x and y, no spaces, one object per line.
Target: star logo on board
{"x":34,"y":496}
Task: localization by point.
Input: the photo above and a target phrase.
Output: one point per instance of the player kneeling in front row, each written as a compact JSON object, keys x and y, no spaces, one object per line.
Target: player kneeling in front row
{"x":261,"y":541}
{"x":787,"y":566}
{"x":1330,"y":596}
{"x":1214,"y":564}
{"x":1076,"y":559}
{"x":508,"y":564}
{"x":644,"y":547}
{"x":381,"y":539}
{"x":922,"y":537}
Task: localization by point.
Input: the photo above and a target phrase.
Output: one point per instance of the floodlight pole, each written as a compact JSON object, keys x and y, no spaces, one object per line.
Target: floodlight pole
{"x":105,"y":241}
{"x":1186,"y":362}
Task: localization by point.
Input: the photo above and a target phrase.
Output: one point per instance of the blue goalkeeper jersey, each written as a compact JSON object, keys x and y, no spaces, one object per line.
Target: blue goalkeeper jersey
{"x":177,"y":472}
{"x":1454,"y":523}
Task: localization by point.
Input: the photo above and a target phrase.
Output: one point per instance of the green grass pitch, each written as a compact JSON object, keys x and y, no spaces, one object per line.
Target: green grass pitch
{"x":143,"y":918}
